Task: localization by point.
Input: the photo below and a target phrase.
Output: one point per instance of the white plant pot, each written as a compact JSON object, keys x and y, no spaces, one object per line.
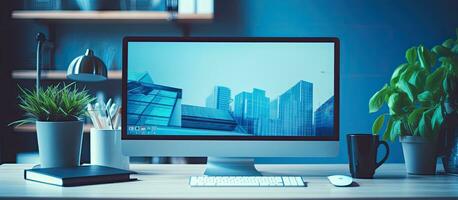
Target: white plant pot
{"x":419,"y":155}
{"x":106,"y":149}
{"x":59,"y":143}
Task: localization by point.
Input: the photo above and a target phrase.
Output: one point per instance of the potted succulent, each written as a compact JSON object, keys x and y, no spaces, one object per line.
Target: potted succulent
{"x":57,"y":112}
{"x":416,"y":96}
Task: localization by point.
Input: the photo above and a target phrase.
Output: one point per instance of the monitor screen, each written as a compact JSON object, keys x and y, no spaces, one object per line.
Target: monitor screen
{"x":230,"y":88}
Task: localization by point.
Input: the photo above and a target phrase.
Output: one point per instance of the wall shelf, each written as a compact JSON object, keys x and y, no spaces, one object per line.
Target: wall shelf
{"x":56,"y":74}
{"x":67,"y":15}
{"x":30,"y":128}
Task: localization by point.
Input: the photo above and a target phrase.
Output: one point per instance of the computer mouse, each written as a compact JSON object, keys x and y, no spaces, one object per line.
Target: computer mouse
{"x":340,"y":180}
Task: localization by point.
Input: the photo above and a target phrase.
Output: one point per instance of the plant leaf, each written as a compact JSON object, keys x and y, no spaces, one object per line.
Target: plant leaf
{"x":455,"y":49}
{"x":448,"y":43}
{"x":449,"y":85}
{"x":394,"y":103}
{"x":437,"y":119}
{"x":406,"y":88}
{"x":442,"y":51}
{"x":397,"y":72}
{"x":378,"y":123}
{"x":411,"y":55}
{"x":395,"y":130}
{"x":414,"y":117}
{"x":418,"y":80}
{"x":406,"y":74}
{"x":433,"y":81}
{"x":425,"y":96}
{"x":426,"y":58}
{"x":386,"y":134}
{"x":376,"y":101}
{"x":424,"y":125}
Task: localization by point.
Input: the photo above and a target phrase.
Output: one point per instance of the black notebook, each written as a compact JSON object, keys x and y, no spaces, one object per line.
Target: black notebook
{"x":74,"y":176}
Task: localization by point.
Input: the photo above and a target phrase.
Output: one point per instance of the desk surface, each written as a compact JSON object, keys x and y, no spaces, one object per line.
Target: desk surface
{"x":171,"y":182}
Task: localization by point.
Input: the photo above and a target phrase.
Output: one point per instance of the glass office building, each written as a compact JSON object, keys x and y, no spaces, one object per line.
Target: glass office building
{"x":207,"y":118}
{"x":251,"y":110}
{"x":152,"y":105}
{"x":273,"y":112}
{"x":324,"y":118}
{"x":295,"y":110}
{"x":288,"y":115}
{"x":220,"y":98}
{"x":274,"y":123}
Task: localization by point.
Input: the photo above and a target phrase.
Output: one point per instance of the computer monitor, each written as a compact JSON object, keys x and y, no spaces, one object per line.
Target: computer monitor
{"x":230,"y":99}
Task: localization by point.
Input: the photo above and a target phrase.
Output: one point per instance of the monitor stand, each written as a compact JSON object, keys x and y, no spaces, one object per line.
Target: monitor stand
{"x":225,"y":166}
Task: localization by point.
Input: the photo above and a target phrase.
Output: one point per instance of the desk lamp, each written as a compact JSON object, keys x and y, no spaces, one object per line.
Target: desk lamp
{"x":88,"y":68}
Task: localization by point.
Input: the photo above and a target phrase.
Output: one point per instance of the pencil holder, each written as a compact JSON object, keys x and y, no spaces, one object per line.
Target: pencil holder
{"x":106,"y":149}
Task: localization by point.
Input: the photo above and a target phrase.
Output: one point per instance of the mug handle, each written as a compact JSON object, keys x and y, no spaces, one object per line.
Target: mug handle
{"x":386,"y":155}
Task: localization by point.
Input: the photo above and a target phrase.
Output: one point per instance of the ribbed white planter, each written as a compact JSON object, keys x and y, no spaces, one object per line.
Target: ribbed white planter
{"x":419,"y":155}
{"x":59,"y":143}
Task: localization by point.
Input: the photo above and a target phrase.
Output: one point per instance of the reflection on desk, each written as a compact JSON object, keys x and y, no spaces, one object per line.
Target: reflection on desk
{"x":171,"y":181}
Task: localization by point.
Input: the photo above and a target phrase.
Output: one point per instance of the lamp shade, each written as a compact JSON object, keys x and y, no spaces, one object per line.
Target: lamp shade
{"x":87,"y":68}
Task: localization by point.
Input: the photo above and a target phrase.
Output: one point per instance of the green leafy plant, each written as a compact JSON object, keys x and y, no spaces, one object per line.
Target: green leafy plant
{"x":55,"y":103}
{"x":417,"y":91}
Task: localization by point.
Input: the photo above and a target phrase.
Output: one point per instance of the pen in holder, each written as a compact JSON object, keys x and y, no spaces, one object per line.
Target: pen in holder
{"x":105,"y":116}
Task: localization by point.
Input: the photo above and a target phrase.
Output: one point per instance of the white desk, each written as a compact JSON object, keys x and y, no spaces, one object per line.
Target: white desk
{"x":171,"y":182}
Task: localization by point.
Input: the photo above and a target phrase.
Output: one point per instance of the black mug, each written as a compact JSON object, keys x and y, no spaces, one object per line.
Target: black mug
{"x":362,"y":154}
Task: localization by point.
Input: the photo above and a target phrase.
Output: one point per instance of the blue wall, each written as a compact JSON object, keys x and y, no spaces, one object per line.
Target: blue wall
{"x":373,"y":34}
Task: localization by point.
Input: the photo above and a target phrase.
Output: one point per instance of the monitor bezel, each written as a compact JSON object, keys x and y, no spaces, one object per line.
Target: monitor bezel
{"x":334,"y":40}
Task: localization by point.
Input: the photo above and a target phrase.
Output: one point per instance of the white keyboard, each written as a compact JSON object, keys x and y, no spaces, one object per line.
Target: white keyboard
{"x":246,"y":181}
